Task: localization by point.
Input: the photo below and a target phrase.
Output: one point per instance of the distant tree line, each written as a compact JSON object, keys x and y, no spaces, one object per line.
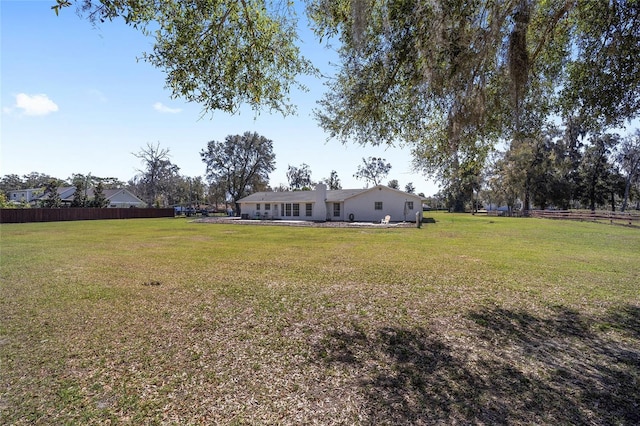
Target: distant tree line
{"x":236,"y":167}
{"x":559,"y":168}
{"x":562,"y":169}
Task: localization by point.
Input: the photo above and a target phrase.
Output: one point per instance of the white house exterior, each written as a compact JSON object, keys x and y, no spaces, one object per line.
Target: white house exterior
{"x":355,"y":205}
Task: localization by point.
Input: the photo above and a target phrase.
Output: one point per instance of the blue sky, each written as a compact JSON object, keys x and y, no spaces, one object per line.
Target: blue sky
{"x":75,"y":99}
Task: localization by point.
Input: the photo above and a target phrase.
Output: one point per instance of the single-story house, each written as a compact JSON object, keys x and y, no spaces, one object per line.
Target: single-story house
{"x":116,"y":197}
{"x":121,"y":198}
{"x":355,"y":205}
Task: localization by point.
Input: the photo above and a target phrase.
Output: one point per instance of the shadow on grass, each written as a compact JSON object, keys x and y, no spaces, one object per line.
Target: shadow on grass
{"x":504,"y":367}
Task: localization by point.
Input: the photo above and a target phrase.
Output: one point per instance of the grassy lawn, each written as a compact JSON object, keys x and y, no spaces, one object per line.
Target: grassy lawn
{"x":466,"y":320}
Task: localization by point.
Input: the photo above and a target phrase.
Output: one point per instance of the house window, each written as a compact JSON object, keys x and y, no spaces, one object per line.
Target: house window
{"x":336,"y":209}
{"x":377,"y":205}
{"x":287,"y":209}
{"x":309,"y":209}
{"x":267,"y":206}
{"x":296,"y":209}
{"x":409,"y":205}
{"x":258,"y":207}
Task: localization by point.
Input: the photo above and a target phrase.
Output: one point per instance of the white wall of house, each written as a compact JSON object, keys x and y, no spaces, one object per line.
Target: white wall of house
{"x":374,"y":205}
{"x":319,"y":207}
{"x":303,"y":205}
{"x":368,"y":206}
{"x":298,"y":210}
{"x":24,"y":195}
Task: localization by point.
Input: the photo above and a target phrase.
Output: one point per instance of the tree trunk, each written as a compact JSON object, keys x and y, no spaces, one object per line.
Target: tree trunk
{"x":592,"y":193}
{"x":613,"y":201}
{"x":627,"y":187}
{"x":458,"y":202}
{"x":526,"y":203}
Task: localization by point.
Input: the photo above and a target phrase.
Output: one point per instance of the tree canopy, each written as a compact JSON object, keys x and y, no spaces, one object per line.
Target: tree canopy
{"x":373,"y":170}
{"x":155,"y":178}
{"x":241,"y":163}
{"x":219,"y":53}
{"x":629,"y":160}
{"x":333,"y":181}
{"x":449,"y":78}
{"x":299,"y":177}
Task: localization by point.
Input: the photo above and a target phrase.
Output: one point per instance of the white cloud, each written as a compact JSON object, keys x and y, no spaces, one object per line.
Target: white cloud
{"x":98,"y":95}
{"x":160,"y":107}
{"x":35,"y":104}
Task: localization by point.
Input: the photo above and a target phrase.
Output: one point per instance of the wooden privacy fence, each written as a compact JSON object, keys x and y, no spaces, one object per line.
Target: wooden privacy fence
{"x":64,"y":214}
{"x":609,"y":217}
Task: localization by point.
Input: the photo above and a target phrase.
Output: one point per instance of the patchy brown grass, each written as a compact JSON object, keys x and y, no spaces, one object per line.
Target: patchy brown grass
{"x":468,"y":320}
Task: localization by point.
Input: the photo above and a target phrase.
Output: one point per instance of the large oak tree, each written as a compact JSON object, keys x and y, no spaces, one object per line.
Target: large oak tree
{"x":240,"y":164}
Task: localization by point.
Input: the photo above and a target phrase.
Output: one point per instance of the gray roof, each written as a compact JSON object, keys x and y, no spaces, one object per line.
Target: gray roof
{"x":299,"y":196}
{"x":333,"y":196}
{"x":67,"y":193}
{"x":343,"y":194}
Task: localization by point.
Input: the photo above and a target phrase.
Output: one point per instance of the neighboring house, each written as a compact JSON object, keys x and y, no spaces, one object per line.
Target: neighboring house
{"x":115,"y":197}
{"x":356,"y":205}
{"x":24,"y":195}
{"x":120,"y":198}
{"x":65,"y":193}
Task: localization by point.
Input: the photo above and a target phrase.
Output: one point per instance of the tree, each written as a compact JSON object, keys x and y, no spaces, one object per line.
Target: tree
{"x":564,"y":180}
{"x":51,"y":197}
{"x":217,"y":195}
{"x":299,"y":177}
{"x":418,"y":74}
{"x":452,"y":78}
{"x":241,"y":164}
{"x":447,"y":78}
{"x":79,"y":196}
{"x":596,"y":170}
{"x":409,"y":188}
{"x":82,"y":184}
{"x":110,"y":182}
{"x":11,"y":183}
{"x":184,"y":190}
{"x":411,"y":50}
{"x":333,"y":181}
{"x":373,"y":170}
{"x":504,"y":180}
{"x":197,"y":190}
{"x":220,"y":54}
{"x":154,"y":178}
{"x":4,"y":204}
{"x":393,"y":183}
{"x":37,"y":180}
{"x":602,"y":83}
{"x":99,"y":200}
{"x":629,"y":160}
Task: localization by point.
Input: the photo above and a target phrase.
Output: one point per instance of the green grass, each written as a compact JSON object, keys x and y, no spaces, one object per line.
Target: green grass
{"x":468,"y":320}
